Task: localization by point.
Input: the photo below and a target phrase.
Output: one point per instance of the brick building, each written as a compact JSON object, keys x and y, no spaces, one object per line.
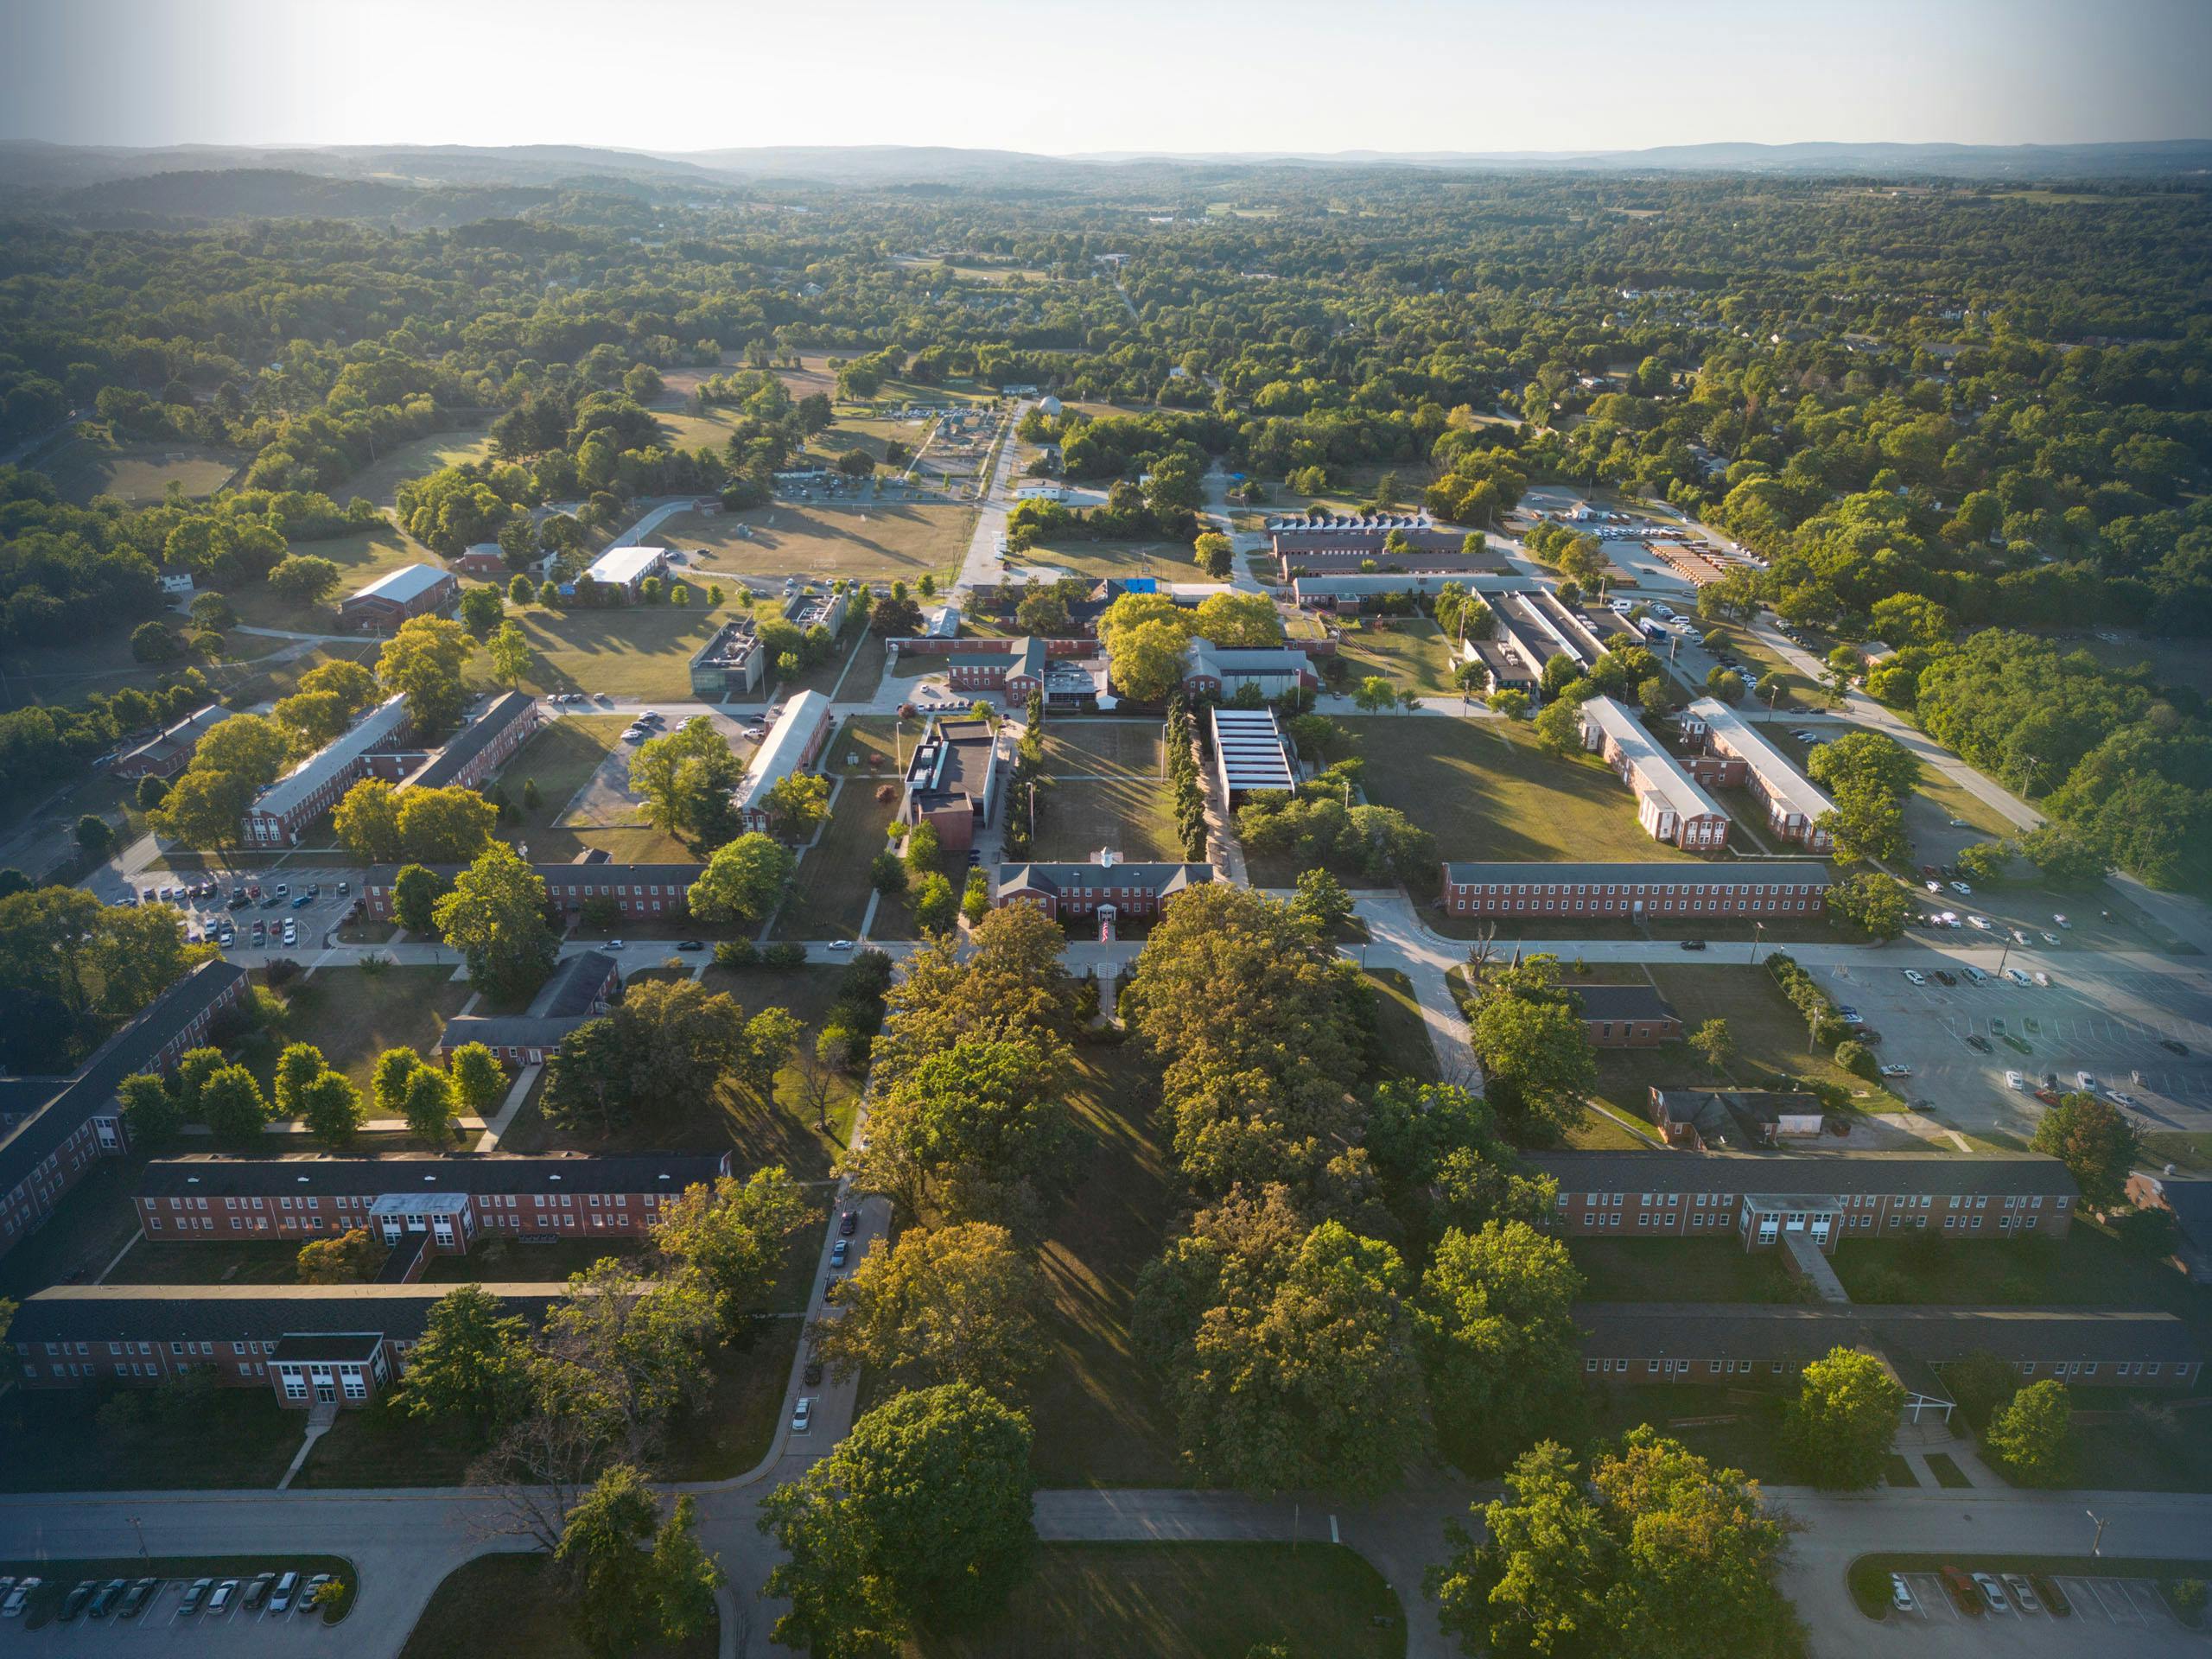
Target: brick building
{"x":580,"y":988}
{"x":342,"y":1345}
{"x":482,"y":747}
{"x":1106,"y":885}
{"x":1794,"y":804}
{"x":1733,"y":1343}
{"x":793,"y":745}
{"x":416,"y":1207}
{"x":1682,"y":892}
{"x":487,"y":561}
{"x":1339,"y":542}
{"x":1756,"y":1198}
{"x":400,"y":596}
{"x":1628,"y":1016}
{"x":1697,"y":1120}
{"x":640,"y":891}
{"x":952,"y":782}
{"x":169,"y":751}
{"x":1668,"y":803}
{"x":320,"y":782}
{"x":1014,"y":673}
{"x":61,"y":1126}
{"x":1223,"y":670}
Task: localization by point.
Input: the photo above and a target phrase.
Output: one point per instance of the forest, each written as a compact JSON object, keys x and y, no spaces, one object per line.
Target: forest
{"x":1995,"y":402}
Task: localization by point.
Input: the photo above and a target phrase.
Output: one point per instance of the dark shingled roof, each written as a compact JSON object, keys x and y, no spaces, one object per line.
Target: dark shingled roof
{"x":247,"y":1313}
{"x":1998,"y":1174}
{"x":1739,"y":873}
{"x":461,"y":1172}
{"x":466,"y":745}
{"x":573,"y":988}
{"x":1622,"y":1002}
{"x":131,"y":1050}
{"x":1794,"y":1332}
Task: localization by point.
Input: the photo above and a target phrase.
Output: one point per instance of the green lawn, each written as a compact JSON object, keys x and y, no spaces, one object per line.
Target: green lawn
{"x":361,"y":558}
{"x":1134,"y":816}
{"x":91,"y":1225}
{"x":829,"y":892}
{"x":218,"y":1261}
{"x":561,"y":759}
{"x":1098,"y":561}
{"x":873,"y":743}
{"x":1411,"y":653}
{"x":1769,"y":1035}
{"x":495,"y":1261}
{"x":627,"y":650}
{"x":84,"y":465}
{"x":418,"y":458}
{"x":353,"y":1016}
{"x":1487,"y":794}
{"x":1680,"y":1270}
{"x":1097,"y":1408}
{"x":233,"y":1438}
{"x":869,"y":541}
{"x":1947,"y":1471}
{"x":1402,"y":1033}
{"x":507,"y":1604}
{"x":1188,"y":1601}
{"x":1736,"y":1427}
{"x":1114,"y":748}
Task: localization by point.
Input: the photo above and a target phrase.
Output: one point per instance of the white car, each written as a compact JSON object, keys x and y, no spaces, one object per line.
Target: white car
{"x":840,"y":945}
{"x":1962,"y":889}
{"x":1933,"y":887}
{"x":1901,"y":1595}
{"x":2120,"y":1099}
{"x":1619,"y":606}
{"x":1897,"y":1071}
{"x":614,"y":944}
{"x":2020,"y":936}
{"x":2014,"y":1080}
{"x":1992,"y":1592}
{"x":2043,"y":979}
{"x":2064,"y":923}
{"x":1915,"y":976}
{"x":2050,"y":938}
{"x":1981,"y":922}
{"x":18,"y":1597}
{"x":803,"y":1415}
{"x":2018,"y":978}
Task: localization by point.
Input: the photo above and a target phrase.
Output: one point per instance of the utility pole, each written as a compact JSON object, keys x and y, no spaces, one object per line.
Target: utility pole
{"x":2096,"y":1544}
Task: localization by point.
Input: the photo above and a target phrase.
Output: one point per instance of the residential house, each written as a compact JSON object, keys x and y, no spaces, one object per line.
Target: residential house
{"x":169,"y":751}
{"x":487,"y":561}
{"x":1699,"y":1120}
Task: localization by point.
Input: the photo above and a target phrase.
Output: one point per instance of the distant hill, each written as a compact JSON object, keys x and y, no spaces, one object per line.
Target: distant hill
{"x":282,"y":192}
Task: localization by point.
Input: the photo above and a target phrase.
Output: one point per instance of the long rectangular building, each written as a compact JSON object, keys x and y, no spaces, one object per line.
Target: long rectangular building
{"x":1108,"y":885}
{"x":169,"y":751}
{"x":791,"y":746}
{"x":580,"y":988}
{"x":1794,"y":804}
{"x":320,"y":781}
{"x":482,"y":747}
{"x":1730,"y":1342}
{"x":1250,"y":754}
{"x":1827,"y":1197}
{"x":1669,"y":802}
{"x":1673,"y":892}
{"x":449,"y":1201}
{"x":53,"y":1142}
{"x":638,"y":890}
{"x":340,"y":1344}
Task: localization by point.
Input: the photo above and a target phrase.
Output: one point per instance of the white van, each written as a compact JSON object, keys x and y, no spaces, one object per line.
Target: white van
{"x":1974,"y":974}
{"x":2084,"y":1080}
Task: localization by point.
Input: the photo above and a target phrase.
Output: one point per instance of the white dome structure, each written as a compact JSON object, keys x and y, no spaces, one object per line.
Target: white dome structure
{"x":1048,"y":405}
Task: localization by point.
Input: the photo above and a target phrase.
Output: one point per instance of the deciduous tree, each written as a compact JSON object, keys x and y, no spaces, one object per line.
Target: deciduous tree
{"x":2093,"y":1139}
{"x":686,"y":781}
{"x":955,"y":1304}
{"x":1839,"y":1426}
{"x":1498,"y":1341}
{"x":423,"y":662}
{"x":495,"y":917}
{"x":2033,"y":1437}
{"x":473,"y":1364}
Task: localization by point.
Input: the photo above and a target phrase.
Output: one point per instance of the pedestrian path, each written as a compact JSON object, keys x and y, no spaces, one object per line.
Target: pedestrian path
{"x":489,"y":1140}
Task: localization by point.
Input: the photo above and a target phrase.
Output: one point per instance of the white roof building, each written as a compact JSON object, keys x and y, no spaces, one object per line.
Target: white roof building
{"x":1249,"y":753}
{"x":1794,"y":802}
{"x":626,"y":567}
{"x":1669,"y":803}
{"x":794,"y":741}
{"x":409,"y":581}
{"x":297,"y":792}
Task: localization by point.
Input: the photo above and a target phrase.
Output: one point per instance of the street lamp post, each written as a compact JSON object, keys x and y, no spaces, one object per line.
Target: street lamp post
{"x":138,"y":1527}
{"x":2096,"y":1543}
{"x":1757,"y":929}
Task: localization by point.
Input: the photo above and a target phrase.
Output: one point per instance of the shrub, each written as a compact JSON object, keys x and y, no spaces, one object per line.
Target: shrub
{"x":1857,"y":1059}
{"x":784,"y":955}
{"x":736,"y":953}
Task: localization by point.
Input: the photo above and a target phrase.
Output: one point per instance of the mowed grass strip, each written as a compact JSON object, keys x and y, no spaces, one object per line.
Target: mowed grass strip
{"x":353,"y":1016}
{"x":1096,"y":1408}
{"x":1120,"y":747}
{"x":138,"y":471}
{"x":872,"y":540}
{"x":829,"y":892}
{"x":1487,"y":794}
{"x":506,"y":1602}
{"x":626,"y":651}
{"x":1131,"y":816}
{"x":1101,"y":560}
{"x":1188,"y":1601}
{"x":1411,"y":653}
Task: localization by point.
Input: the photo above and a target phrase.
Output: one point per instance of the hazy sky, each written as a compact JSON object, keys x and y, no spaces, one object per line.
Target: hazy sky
{"x":1107,"y":74}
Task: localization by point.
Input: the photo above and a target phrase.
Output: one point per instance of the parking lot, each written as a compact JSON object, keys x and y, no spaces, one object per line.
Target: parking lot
{"x":164,"y":1622}
{"x":2097,"y":1015}
{"x":2106,"y":1615}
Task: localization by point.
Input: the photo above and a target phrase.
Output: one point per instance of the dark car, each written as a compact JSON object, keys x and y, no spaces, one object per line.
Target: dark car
{"x":1943,"y":977}
{"x":1693,"y":944}
{"x":2054,"y":1599}
{"x":74,"y":1603}
{"x":849,"y":1224}
{"x":813,"y":1372}
{"x":194,"y":1593}
{"x":1977,"y":1042}
{"x":108,"y":1595}
{"x":690,"y":945}
{"x":2172,"y":1047}
{"x":135,"y":1598}
{"x":257,"y":1591}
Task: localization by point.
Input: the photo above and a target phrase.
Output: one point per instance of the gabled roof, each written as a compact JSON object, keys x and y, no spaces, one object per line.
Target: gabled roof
{"x":459,"y":1172}
{"x":401,"y":586}
{"x":574,"y":987}
{"x":248,"y":1313}
{"x":1796,"y":1332}
{"x":378,"y":726}
{"x":1162,"y":879}
{"x":91,"y":1090}
{"x":184,"y":735}
{"x":472,"y":740}
{"x":1764,"y":873}
{"x":1622,"y":1002}
{"x":1998,"y":1174}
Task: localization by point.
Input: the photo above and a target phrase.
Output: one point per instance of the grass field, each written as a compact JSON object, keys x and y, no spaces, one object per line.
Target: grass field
{"x":353,"y":1016}
{"x":873,"y":542}
{"x":234,"y":1438}
{"x":627,"y":650}
{"x":1096,"y":1408}
{"x":561,"y":758}
{"x":1100,"y":560}
{"x":829,"y":892}
{"x":225,"y":1262}
{"x":505,"y":1603}
{"x":1188,"y":1601}
{"x":361,"y":558}
{"x":1769,"y":1032}
{"x":1716,"y":1269}
{"x":1116,"y":748}
{"x":873,"y":743}
{"x":1487,"y":793}
{"x":1736,"y":1428}
{"x":1412,"y":653}
{"x":1401,"y":1032}
{"x":83,"y":466}
{"x":1133,"y":815}
{"x":91,"y":1225}
{"x":380,"y":480}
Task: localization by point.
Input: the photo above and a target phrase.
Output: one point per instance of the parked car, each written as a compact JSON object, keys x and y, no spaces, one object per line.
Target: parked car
{"x":1901,"y":1594}
{"x":74,"y":1603}
{"x":614,"y":944}
{"x":1913,"y":975}
{"x":2023,"y":1597}
{"x":136,"y":1597}
{"x":803,"y":1415}
{"x":224,"y":1593}
{"x":1897,"y":1071}
{"x":1851,"y":1016}
{"x":106,"y":1596}
{"x":1992,"y":1592}
{"x":2014,"y":1080}
{"x":1979,"y":922}
{"x":1693,"y":944}
{"x":2085,"y":1081}
{"x":2050,"y":938}
{"x":310,"y":1593}
{"x":19,"y":1597}
{"x":1946,"y":978}
{"x":283,"y":889}
{"x":1963,"y":1594}
{"x":839,"y":1248}
{"x":690,"y":945}
{"x":849,"y":1223}
{"x":812,"y":1375}
{"x":1977,"y":1042}
{"x":257,"y":1591}
{"x":2017,"y":977}
{"x":1962,"y":889}
{"x":2054,"y":1599}
{"x":195,"y":1594}
{"x":2172,"y":1046}
{"x":287,"y":1587}
{"x":840,"y":945}
{"x":2120,"y":1099}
